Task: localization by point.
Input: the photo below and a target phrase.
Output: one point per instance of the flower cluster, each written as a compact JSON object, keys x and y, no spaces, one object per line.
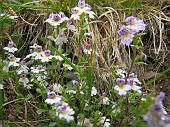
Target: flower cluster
{"x":125,"y":84}
{"x":156,"y":117}
{"x":63,"y":110}
{"x":128,"y":31}
{"x":56,"y":19}
{"x":80,"y":9}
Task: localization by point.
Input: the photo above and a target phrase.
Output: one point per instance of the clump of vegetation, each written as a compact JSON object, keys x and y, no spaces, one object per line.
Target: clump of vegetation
{"x":80,"y":66}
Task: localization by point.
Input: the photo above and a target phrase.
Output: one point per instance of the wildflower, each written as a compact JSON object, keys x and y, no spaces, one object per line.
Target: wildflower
{"x":5,"y":67}
{"x":59,"y":58}
{"x":75,"y":82}
{"x":88,"y":49}
{"x":61,"y":39}
{"x":13,"y":61}
{"x":104,"y":122}
{"x":120,"y":72}
{"x":37,"y":54}
{"x":41,"y":77}
{"x":56,"y":19}
{"x":135,"y":24}
{"x":93,"y":91}
{"x":23,"y":79}
{"x":156,"y":117}
{"x":53,"y":98}
{"x":1,"y":86}
{"x":67,"y":66}
{"x":23,"y":69}
{"x":57,"y":88}
{"x":71,"y":26}
{"x":126,"y":35}
{"x":10,"y":48}
{"x":86,"y":122}
{"x":65,"y":112}
{"x":46,"y":56}
{"x":38,"y":69}
{"x":133,"y":82}
{"x":121,"y":87}
{"x":80,"y":9}
{"x":105,"y":100}
{"x":71,"y":91}
{"x":28,"y":86}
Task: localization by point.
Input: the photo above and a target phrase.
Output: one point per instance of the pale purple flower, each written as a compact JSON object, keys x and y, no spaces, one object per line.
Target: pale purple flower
{"x":122,"y":87}
{"x":87,"y":49}
{"x":156,"y":117}
{"x":71,"y":26}
{"x":37,"y":54}
{"x":13,"y":61}
{"x":86,"y":122}
{"x":46,"y":56}
{"x":135,"y":24}
{"x":133,"y":81}
{"x":10,"y":48}
{"x":53,"y":98}
{"x":37,"y":69}
{"x":56,"y":19}
{"x":23,"y":69}
{"x":61,"y":38}
{"x":126,"y":35}
{"x":65,"y":112}
{"x":80,"y":9}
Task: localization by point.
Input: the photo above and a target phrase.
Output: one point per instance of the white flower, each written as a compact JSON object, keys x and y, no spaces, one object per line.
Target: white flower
{"x":122,"y":89}
{"x":53,"y":98}
{"x":38,"y":69}
{"x":67,"y":66}
{"x":5,"y":67}
{"x":59,"y":58}
{"x":104,"y":122}
{"x":10,"y":48}
{"x":37,"y":54}
{"x":28,"y":86}
{"x":13,"y":61}
{"x":61,"y":39}
{"x":23,"y":79}
{"x":93,"y":91}
{"x":105,"y":101}
{"x":80,"y":9}
{"x":65,"y":112}
{"x":41,"y":77}
{"x":56,"y":19}
{"x":1,"y":86}
{"x":120,"y":72}
{"x":87,"y":51}
{"x":57,"y":88}
{"x":23,"y":69}
{"x":71,"y":91}
{"x":46,"y":57}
